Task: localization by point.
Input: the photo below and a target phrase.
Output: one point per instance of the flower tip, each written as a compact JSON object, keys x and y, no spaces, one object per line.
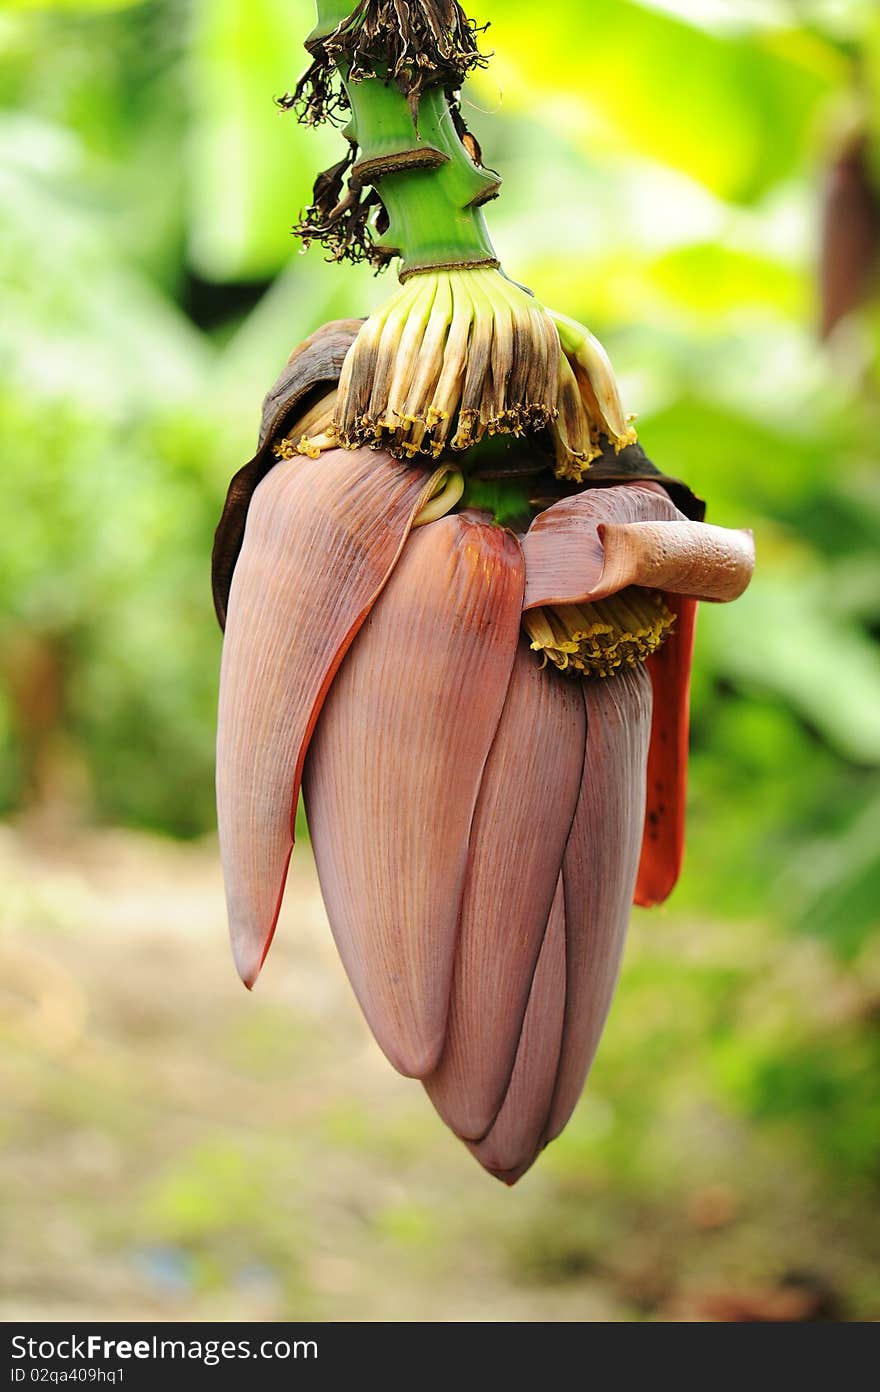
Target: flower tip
{"x":511,"y":1177}
{"x":508,"y":1177}
{"x":651,"y":896}
{"x":414,"y":1050}
{"x":248,"y":957}
{"x":247,"y":971}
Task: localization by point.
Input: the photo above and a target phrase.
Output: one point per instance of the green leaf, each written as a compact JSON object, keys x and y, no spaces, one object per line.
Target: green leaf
{"x":784,"y":636}
{"x":69,"y":6}
{"x":836,"y":883}
{"x":733,"y":112}
{"x":79,"y":320}
{"x":253,"y":166}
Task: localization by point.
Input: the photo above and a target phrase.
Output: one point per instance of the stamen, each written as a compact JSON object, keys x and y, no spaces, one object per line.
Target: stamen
{"x":449,"y":489}
{"x":311,"y":433}
{"x":456,"y":355}
{"x":589,"y":402}
{"x":598,"y":640}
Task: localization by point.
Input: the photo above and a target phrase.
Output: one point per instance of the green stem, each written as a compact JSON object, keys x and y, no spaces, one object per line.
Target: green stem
{"x":431,"y":189}
{"x":330,"y":14}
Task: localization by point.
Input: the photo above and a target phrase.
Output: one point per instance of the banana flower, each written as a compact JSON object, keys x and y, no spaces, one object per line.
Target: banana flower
{"x":488,"y":722}
{"x":480,"y":823}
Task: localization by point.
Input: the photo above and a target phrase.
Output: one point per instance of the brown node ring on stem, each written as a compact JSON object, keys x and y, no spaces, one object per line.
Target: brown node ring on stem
{"x":368,"y":171}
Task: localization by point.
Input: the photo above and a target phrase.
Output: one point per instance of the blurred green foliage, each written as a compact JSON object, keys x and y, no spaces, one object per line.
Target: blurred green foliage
{"x":663,"y":164}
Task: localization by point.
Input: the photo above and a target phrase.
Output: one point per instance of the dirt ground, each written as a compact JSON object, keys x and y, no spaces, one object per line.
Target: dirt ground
{"x":176,"y":1148}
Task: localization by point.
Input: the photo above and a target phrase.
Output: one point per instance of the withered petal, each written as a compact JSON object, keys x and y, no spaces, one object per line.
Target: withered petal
{"x":322,"y":537}
{"x":394,"y":772}
{"x":521,"y":826}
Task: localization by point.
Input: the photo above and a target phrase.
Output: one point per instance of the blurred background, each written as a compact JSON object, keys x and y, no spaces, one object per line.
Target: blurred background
{"x":176,"y":1148}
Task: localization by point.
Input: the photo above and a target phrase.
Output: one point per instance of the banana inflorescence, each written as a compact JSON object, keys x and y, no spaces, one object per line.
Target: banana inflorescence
{"x":455,"y":355}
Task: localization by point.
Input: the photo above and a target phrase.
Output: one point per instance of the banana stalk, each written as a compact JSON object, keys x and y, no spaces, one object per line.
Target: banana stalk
{"x":460,"y":351}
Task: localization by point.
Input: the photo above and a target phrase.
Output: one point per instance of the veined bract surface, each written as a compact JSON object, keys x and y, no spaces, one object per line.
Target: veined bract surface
{"x":479,"y":821}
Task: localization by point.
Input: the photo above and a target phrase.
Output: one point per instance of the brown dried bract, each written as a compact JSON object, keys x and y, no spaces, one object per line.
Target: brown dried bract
{"x":418,"y":44}
{"x":339,"y":216}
